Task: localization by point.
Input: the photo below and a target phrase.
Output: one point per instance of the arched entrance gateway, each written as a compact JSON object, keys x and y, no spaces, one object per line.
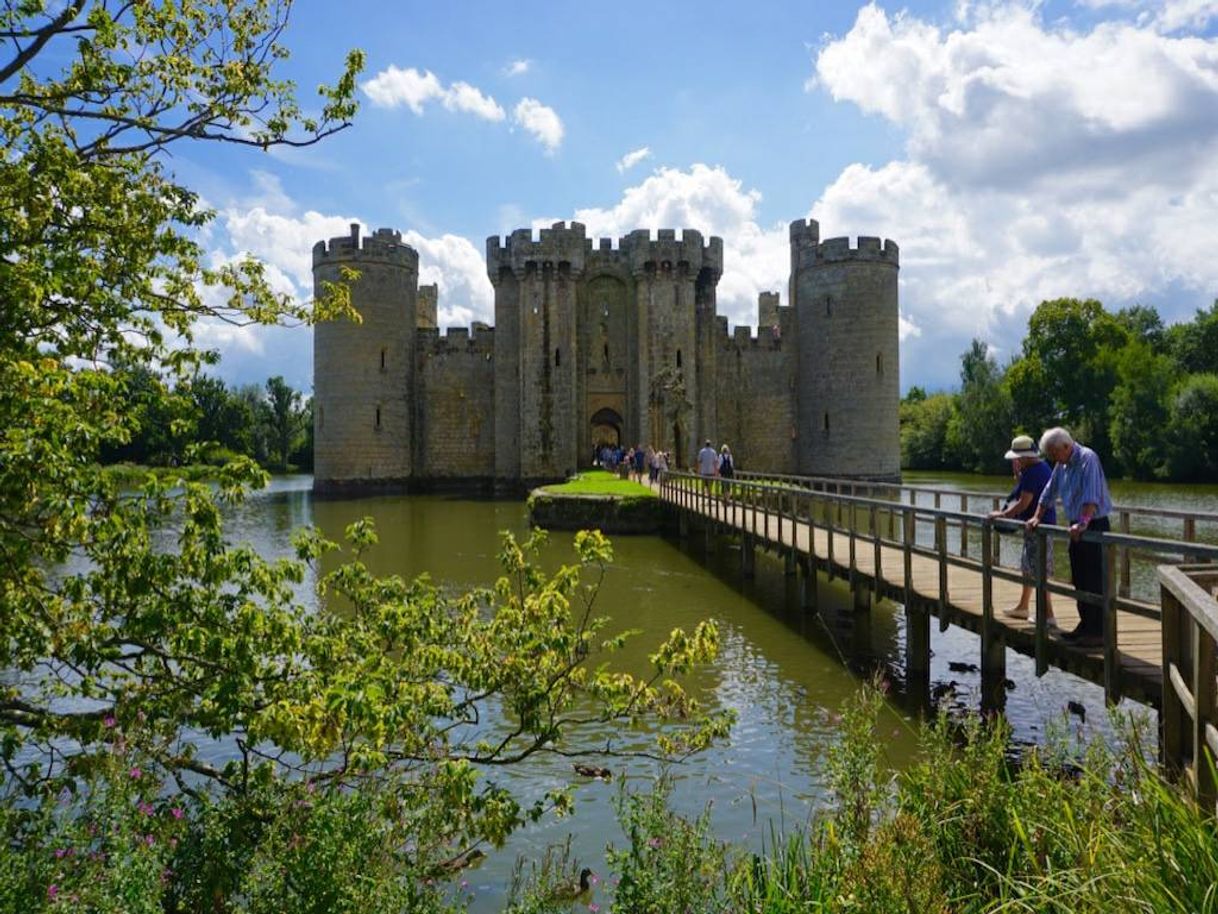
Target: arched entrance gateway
{"x":606,"y":429}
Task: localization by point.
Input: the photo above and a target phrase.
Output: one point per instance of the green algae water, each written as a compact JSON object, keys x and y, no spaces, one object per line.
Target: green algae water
{"x":784,"y":672}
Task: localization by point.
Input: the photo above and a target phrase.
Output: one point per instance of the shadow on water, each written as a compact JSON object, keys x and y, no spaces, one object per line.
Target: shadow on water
{"x":785,"y":671}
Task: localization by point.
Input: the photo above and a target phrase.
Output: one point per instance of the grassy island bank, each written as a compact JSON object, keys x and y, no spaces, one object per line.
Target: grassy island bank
{"x":596,"y":499}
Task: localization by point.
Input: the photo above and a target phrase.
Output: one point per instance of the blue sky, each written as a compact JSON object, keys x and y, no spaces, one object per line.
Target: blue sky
{"x":1015,"y":151}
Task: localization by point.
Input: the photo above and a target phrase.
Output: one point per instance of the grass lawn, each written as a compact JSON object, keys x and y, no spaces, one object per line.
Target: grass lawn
{"x":599,"y":482}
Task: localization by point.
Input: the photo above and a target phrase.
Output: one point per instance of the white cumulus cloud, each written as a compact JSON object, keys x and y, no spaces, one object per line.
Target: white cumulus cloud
{"x":707,"y":198}
{"x":631,"y":159}
{"x":541,"y":121}
{"x":518,"y":67}
{"x":393,"y":87}
{"x":1042,"y":160}
{"x":269,"y":226}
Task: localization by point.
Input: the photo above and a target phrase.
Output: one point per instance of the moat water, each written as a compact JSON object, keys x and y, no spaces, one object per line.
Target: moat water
{"x":783,"y":671}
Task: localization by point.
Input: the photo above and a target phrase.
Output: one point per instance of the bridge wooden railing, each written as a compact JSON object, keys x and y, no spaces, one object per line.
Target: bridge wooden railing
{"x":770,"y":510}
{"x":1155,"y":523}
{"x":1190,"y":706}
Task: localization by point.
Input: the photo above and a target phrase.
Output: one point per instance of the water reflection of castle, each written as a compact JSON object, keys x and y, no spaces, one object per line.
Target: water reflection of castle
{"x":597,"y":343}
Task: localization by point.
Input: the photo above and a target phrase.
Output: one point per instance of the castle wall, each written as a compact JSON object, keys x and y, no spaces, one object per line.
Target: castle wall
{"x":755,"y":387}
{"x":362,"y":373}
{"x":849,"y":341}
{"x":456,"y":415}
{"x":588,"y":339}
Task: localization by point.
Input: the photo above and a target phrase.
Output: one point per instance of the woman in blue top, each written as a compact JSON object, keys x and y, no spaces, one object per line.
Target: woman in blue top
{"x":1031,"y":476}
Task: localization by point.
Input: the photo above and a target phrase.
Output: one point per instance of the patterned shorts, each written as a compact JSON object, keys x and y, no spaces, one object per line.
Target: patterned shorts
{"x":1027,"y":558}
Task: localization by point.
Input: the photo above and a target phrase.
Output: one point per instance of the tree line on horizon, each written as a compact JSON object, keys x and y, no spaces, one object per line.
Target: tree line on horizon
{"x":272,"y":423}
{"x":1141,"y":394}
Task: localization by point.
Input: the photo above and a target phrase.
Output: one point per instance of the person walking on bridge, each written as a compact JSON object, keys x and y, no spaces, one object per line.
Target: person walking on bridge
{"x":1031,"y":476}
{"x":1078,"y":478}
{"x":708,"y":464}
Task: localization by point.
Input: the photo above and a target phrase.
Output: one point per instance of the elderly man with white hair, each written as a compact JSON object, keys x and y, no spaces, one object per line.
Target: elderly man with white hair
{"x":1078,"y":477}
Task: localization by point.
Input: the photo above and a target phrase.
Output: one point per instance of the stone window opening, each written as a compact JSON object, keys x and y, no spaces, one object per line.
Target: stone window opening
{"x":826,"y":421}
{"x":678,"y":358}
{"x":378,"y":417}
{"x":879,"y":364}
{"x":606,"y":352}
{"x":382,"y":360}
{"x":557,"y":358}
{"x":828,"y":306}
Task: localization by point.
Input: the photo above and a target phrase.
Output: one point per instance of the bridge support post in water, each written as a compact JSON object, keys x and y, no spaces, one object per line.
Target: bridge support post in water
{"x":807,"y":584}
{"x":788,"y":564}
{"x":993,"y":644}
{"x":917,"y":654}
{"x":861,"y":596}
{"x":748,"y":556}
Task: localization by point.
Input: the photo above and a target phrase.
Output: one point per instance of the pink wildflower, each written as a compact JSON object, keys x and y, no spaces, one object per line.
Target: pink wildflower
{"x":146,"y":808}
{"x":176,"y":812}
{"x":135,"y":773}
{"x":109,"y":721}
{"x":61,"y":852}
{"x":593,"y":907}
{"x":149,"y":840}
{"x":52,"y":891}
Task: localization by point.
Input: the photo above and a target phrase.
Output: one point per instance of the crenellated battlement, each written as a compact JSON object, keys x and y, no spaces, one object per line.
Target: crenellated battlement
{"x":637,"y":252}
{"x":837,"y":250}
{"x":742,"y":338}
{"x":690,"y":254}
{"x":805,"y":233}
{"x":384,"y":245}
{"x":456,"y":340}
{"x":521,"y":251}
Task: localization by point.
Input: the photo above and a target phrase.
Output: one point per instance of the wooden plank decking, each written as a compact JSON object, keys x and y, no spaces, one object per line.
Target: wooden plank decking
{"x":1139,"y":639}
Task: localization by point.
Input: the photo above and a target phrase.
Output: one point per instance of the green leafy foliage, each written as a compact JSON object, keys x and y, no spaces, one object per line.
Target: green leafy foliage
{"x":325,"y":751}
{"x":1122,"y":383}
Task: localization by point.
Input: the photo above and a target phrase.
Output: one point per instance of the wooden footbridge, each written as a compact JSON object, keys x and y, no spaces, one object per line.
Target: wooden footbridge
{"x":1159,"y":602}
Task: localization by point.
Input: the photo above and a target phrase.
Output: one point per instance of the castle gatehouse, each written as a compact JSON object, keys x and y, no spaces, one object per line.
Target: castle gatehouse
{"x":604,"y":343}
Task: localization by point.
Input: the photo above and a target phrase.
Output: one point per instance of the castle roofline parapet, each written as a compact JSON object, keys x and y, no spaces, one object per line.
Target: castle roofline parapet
{"x":480,"y":340}
{"x":805,"y":233}
{"x":868,"y":249}
{"x":637,"y":251}
{"x":559,"y":244}
{"x":742,"y":338}
{"x":384,"y":245}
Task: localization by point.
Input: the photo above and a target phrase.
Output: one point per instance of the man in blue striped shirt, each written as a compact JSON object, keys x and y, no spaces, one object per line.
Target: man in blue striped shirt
{"x":1078,"y":477}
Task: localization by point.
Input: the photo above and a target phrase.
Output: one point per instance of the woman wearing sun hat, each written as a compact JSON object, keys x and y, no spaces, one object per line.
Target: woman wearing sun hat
{"x":1031,"y":476}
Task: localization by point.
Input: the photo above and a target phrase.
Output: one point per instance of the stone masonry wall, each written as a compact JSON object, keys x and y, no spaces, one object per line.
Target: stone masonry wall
{"x":362,"y":373}
{"x":456,"y":419}
{"x":756,"y":387}
{"x":849,"y":355}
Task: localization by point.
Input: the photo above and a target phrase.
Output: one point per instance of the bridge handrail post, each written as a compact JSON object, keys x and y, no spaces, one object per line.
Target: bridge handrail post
{"x":877,"y":569}
{"x":909,"y":521}
{"x":1123,"y":524}
{"x":1171,"y":745}
{"x":1112,"y":656}
{"x":987,"y":577}
{"x":780,"y":501}
{"x":941,"y":548}
{"x":851,"y":532}
{"x":1189,"y":599}
{"x":997,"y":541}
{"x":1204,"y":702}
{"x":1043,"y":545}
{"x":830,"y":527}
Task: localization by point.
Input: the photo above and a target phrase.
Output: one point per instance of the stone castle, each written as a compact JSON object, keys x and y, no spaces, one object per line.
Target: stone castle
{"x":603,"y":344}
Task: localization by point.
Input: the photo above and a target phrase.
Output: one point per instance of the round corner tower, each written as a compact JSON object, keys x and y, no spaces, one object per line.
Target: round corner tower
{"x":849,"y":349}
{"x":363,"y":372}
